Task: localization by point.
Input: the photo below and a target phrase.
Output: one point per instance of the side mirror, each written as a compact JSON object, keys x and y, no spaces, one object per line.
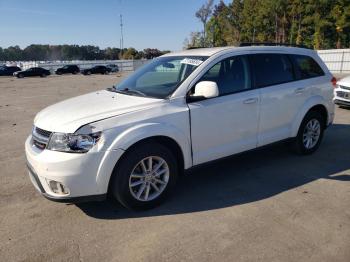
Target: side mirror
{"x":204,"y":90}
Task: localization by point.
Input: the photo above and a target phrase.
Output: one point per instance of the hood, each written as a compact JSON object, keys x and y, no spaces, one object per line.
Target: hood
{"x":67,"y":116}
{"x":344,"y":81}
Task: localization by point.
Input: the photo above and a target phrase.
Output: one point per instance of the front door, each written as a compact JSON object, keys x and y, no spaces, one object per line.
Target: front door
{"x":227,"y":124}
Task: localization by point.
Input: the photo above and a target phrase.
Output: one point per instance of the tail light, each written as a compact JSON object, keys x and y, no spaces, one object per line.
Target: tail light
{"x":334,"y":82}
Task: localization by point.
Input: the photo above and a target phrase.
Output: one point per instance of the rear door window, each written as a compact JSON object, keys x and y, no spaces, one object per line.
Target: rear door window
{"x":306,"y":67}
{"x":271,"y":69}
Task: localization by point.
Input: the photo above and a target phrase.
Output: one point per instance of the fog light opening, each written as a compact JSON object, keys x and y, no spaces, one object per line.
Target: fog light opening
{"x":57,"y":187}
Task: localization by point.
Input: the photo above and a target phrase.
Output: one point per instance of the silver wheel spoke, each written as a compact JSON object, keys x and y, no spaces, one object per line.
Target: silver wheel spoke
{"x":147,"y":191}
{"x":142,"y":188}
{"x":150,"y":164}
{"x":137,"y":175}
{"x":154,"y":186}
{"x":159,"y":181}
{"x":158,"y":166}
{"x":160,"y":173}
{"x":136,"y":183}
{"x":143,"y":166}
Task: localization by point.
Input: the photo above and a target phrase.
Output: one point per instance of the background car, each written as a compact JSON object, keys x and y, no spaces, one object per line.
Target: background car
{"x":8,"y":70}
{"x":342,"y":92}
{"x":68,"y":69}
{"x":34,"y":71}
{"x":96,"y":70}
{"x":113,"y":67}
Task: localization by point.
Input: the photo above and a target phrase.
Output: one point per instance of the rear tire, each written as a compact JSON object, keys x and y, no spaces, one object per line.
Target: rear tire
{"x":144,"y":186}
{"x":310,"y":134}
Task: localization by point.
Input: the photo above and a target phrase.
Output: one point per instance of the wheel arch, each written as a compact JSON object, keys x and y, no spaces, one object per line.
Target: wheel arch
{"x":159,"y":139}
{"x":314,"y":104}
{"x":164,"y":134}
{"x":165,"y":141}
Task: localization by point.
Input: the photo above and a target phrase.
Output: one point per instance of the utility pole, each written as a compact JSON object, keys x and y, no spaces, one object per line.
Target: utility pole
{"x":254,"y":35}
{"x":121,"y":36}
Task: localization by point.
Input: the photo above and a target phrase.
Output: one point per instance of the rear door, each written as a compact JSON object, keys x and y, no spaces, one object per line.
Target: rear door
{"x":281,"y":95}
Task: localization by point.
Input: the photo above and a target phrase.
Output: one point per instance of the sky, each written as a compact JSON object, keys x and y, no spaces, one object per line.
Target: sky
{"x":162,"y":24}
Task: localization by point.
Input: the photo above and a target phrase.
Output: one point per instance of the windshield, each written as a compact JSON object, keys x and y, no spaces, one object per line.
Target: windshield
{"x":161,"y":77}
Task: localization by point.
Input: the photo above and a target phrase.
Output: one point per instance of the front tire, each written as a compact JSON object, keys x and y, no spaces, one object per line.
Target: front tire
{"x":310,"y":134}
{"x":145,"y":176}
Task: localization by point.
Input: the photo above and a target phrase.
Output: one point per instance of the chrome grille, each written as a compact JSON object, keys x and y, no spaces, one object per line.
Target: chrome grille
{"x":42,"y":132}
{"x":342,"y":94}
{"x":40,"y":137}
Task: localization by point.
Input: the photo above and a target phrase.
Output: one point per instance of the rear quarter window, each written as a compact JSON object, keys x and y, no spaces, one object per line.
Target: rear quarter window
{"x":306,"y":67}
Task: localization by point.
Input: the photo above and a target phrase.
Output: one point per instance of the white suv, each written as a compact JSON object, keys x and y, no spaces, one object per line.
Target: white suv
{"x":342,"y":92}
{"x":178,"y":111}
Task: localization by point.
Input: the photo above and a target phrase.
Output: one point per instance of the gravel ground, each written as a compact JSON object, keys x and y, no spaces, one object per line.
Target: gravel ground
{"x":266,"y":205}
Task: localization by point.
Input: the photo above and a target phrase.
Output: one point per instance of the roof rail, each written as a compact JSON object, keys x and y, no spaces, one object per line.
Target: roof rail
{"x":193,"y":47}
{"x":271,"y":44}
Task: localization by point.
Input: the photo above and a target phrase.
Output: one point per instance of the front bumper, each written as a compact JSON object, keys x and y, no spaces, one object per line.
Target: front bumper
{"x":63,"y":199}
{"x":86,"y":176}
{"x":341,"y":102}
{"x":342,"y":96}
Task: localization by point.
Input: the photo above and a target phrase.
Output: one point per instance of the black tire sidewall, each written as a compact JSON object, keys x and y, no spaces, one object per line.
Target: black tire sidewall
{"x":299,"y":145}
{"x":120,"y":180}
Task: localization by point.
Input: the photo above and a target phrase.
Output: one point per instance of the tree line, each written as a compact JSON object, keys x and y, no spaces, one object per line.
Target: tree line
{"x":318,"y":24}
{"x":74,"y":52}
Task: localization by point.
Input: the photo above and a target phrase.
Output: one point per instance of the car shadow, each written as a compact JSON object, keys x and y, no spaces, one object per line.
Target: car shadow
{"x":245,"y":178}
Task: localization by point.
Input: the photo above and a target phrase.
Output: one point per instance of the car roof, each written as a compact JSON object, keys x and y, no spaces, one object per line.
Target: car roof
{"x":213,"y":50}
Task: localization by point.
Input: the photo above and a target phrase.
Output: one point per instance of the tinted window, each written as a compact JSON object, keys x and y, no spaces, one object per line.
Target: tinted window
{"x":306,"y":67}
{"x":231,"y":75}
{"x":271,"y":69}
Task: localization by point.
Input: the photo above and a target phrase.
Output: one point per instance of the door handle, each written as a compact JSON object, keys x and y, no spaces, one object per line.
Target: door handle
{"x":299,"y":90}
{"x":250,"y":100}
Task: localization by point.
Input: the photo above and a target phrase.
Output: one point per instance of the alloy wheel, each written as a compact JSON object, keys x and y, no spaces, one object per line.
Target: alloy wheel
{"x":311,"y":134}
{"x":149,"y":178}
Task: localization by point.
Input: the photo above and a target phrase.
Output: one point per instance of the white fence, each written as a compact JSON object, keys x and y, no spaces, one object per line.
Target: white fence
{"x":337,"y":60}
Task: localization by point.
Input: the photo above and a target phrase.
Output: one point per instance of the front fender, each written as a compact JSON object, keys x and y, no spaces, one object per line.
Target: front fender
{"x":311,"y":102}
{"x":146,"y":130}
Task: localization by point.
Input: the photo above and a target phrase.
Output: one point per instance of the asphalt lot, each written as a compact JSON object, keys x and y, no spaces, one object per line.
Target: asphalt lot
{"x":266,"y":205}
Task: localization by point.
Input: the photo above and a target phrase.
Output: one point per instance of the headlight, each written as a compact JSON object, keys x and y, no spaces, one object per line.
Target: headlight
{"x":73,"y":143}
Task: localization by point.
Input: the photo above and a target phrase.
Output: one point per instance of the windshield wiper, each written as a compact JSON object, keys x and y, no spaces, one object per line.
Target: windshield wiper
{"x":127,"y":91}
